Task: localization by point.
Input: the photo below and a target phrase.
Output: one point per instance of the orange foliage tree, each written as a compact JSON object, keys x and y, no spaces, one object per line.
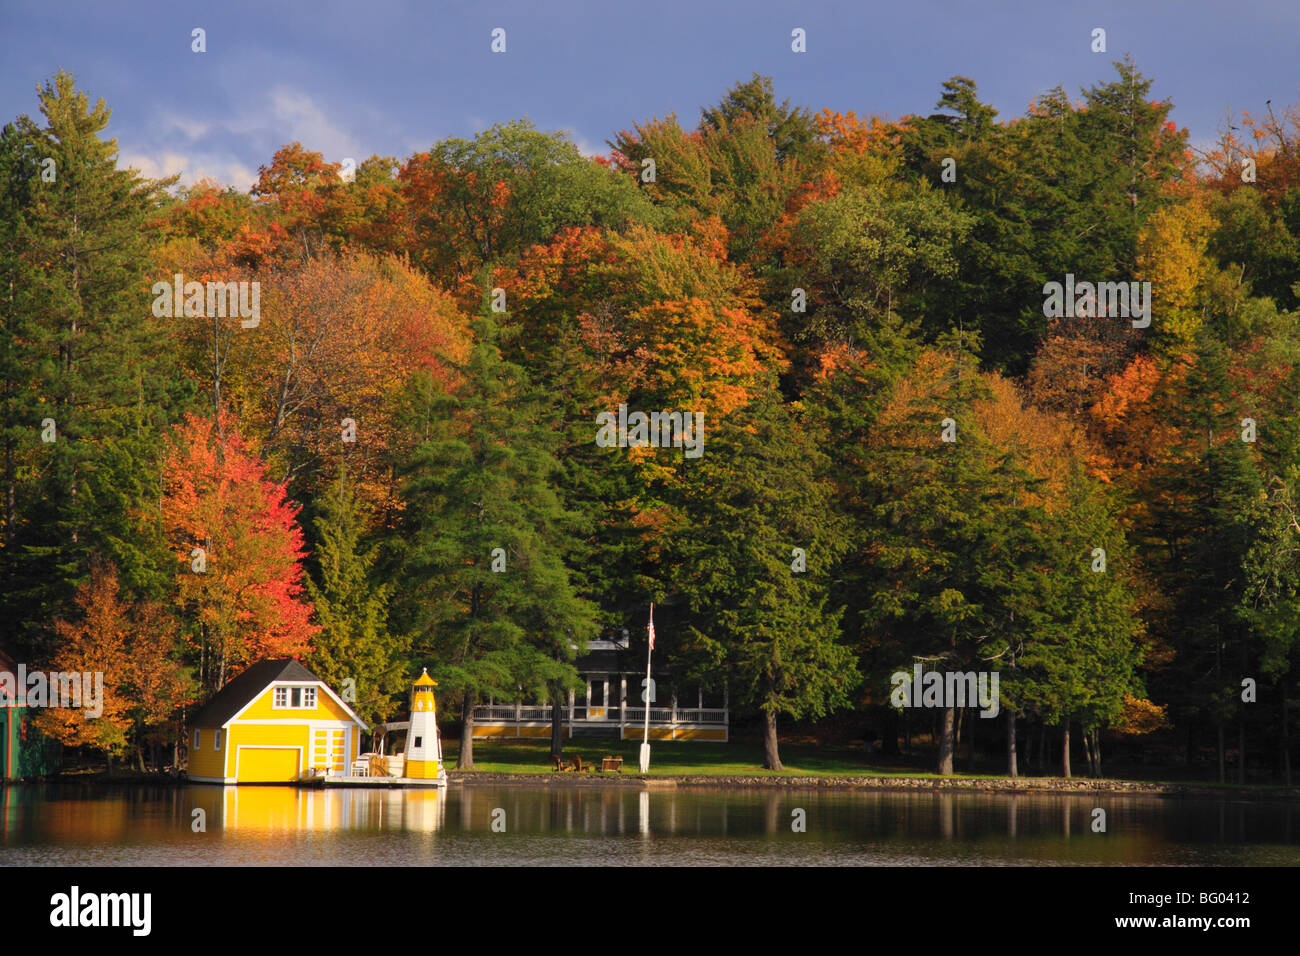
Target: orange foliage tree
{"x":134,"y":647}
{"x":338,"y":334}
{"x":239,"y":546}
{"x":97,"y":641}
{"x":664,"y":319}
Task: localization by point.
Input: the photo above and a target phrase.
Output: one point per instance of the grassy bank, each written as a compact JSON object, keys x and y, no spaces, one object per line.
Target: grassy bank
{"x":742,"y":759}
{"x":669,"y":759}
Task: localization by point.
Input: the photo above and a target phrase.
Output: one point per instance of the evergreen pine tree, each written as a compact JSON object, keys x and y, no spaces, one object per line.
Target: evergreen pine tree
{"x":82,"y":363}
{"x":354,"y":642}
{"x":758,"y":492}
{"x":485,"y":590}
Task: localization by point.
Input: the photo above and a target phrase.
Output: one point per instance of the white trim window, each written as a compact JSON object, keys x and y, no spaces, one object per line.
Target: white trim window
{"x":294,"y":698}
{"x":216,"y":741}
{"x":198,"y":738}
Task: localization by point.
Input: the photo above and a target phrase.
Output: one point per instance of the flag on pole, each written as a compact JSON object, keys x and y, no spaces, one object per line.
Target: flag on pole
{"x":652,"y":627}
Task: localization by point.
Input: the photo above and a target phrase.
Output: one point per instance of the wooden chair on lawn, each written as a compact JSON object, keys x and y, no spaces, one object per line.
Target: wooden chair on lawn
{"x":557,"y":764}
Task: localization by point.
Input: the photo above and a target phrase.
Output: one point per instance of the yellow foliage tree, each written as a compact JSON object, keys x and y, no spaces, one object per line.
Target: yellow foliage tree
{"x":1172,"y":256}
{"x":1140,"y":717}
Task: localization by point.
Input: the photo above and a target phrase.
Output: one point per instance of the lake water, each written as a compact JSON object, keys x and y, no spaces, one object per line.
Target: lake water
{"x":61,"y":825}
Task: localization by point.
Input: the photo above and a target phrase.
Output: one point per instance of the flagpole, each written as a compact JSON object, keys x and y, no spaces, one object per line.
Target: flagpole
{"x":646,"y":695}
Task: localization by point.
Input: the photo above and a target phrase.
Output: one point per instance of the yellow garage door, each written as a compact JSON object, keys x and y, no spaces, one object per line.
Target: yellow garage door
{"x":268,"y":764}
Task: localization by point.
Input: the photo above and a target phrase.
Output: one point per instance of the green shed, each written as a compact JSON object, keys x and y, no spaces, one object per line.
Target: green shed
{"x":24,"y":752}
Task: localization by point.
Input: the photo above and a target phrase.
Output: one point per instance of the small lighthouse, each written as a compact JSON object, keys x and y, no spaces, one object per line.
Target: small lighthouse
{"x":423,"y":748}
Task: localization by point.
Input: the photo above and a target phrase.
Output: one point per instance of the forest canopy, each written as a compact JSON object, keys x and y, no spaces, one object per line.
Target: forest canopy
{"x":905,"y":454}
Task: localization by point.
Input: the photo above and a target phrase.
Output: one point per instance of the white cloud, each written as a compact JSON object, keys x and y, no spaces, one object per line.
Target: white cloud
{"x":226,"y":169}
{"x":586,"y":149}
{"x":280,"y":116}
{"x":294,"y":115}
{"x":192,"y":129}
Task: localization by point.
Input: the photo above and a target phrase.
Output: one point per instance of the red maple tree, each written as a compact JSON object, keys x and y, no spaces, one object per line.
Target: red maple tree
{"x":239,"y":548}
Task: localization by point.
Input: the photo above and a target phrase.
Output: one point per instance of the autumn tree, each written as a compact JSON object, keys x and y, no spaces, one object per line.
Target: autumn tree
{"x":96,"y":641}
{"x":238,"y":548}
{"x":645,"y":319}
{"x":477,"y":202}
{"x":161,"y":682}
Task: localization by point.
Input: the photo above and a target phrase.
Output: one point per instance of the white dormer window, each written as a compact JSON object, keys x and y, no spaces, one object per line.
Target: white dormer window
{"x":295,"y":698}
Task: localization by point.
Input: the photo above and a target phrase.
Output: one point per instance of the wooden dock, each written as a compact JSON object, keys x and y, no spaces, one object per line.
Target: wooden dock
{"x":374,"y":783}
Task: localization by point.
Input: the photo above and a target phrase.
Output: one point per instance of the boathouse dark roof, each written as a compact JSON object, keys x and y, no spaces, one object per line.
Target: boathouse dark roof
{"x":232,"y":698}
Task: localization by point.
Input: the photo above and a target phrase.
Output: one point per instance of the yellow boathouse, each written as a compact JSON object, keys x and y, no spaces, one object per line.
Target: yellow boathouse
{"x":277,"y":722}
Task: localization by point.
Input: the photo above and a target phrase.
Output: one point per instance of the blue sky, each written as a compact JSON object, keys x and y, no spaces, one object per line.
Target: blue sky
{"x":390,"y":77}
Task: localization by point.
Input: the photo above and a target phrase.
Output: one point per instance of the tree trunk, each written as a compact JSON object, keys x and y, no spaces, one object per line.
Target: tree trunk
{"x":1012,"y":769}
{"x":771,"y":758}
{"x":1086,"y":738}
{"x":1286,"y":743}
{"x":1241,"y":750}
{"x":1222,"y":775}
{"x":1096,"y":750}
{"x":557,"y":723}
{"x":466,"y":759}
{"x":972,"y":722}
{"x":947,"y":741}
{"x":1241,"y":726}
{"x":11,"y":493}
{"x":221,"y":674}
{"x":889,"y":740}
{"x":1065,"y":751}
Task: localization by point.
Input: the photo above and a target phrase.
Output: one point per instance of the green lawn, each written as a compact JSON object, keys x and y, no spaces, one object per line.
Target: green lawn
{"x":668,"y":758}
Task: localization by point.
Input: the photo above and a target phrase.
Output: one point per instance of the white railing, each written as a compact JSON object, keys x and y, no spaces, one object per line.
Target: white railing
{"x":633,"y":715}
{"x":685,"y":715}
{"x":494,"y":712}
{"x":533,"y":712}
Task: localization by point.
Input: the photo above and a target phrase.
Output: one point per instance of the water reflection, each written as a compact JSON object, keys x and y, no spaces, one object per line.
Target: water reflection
{"x":543,"y":824}
{"x":289,"y":809}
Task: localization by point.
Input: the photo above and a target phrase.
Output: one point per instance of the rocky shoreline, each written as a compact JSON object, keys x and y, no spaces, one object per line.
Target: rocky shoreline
{"x":1020,"y":785}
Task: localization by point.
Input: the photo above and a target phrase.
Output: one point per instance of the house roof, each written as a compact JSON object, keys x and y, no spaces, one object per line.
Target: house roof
{"x":604,"y":660}
{"x":241,"y":691}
